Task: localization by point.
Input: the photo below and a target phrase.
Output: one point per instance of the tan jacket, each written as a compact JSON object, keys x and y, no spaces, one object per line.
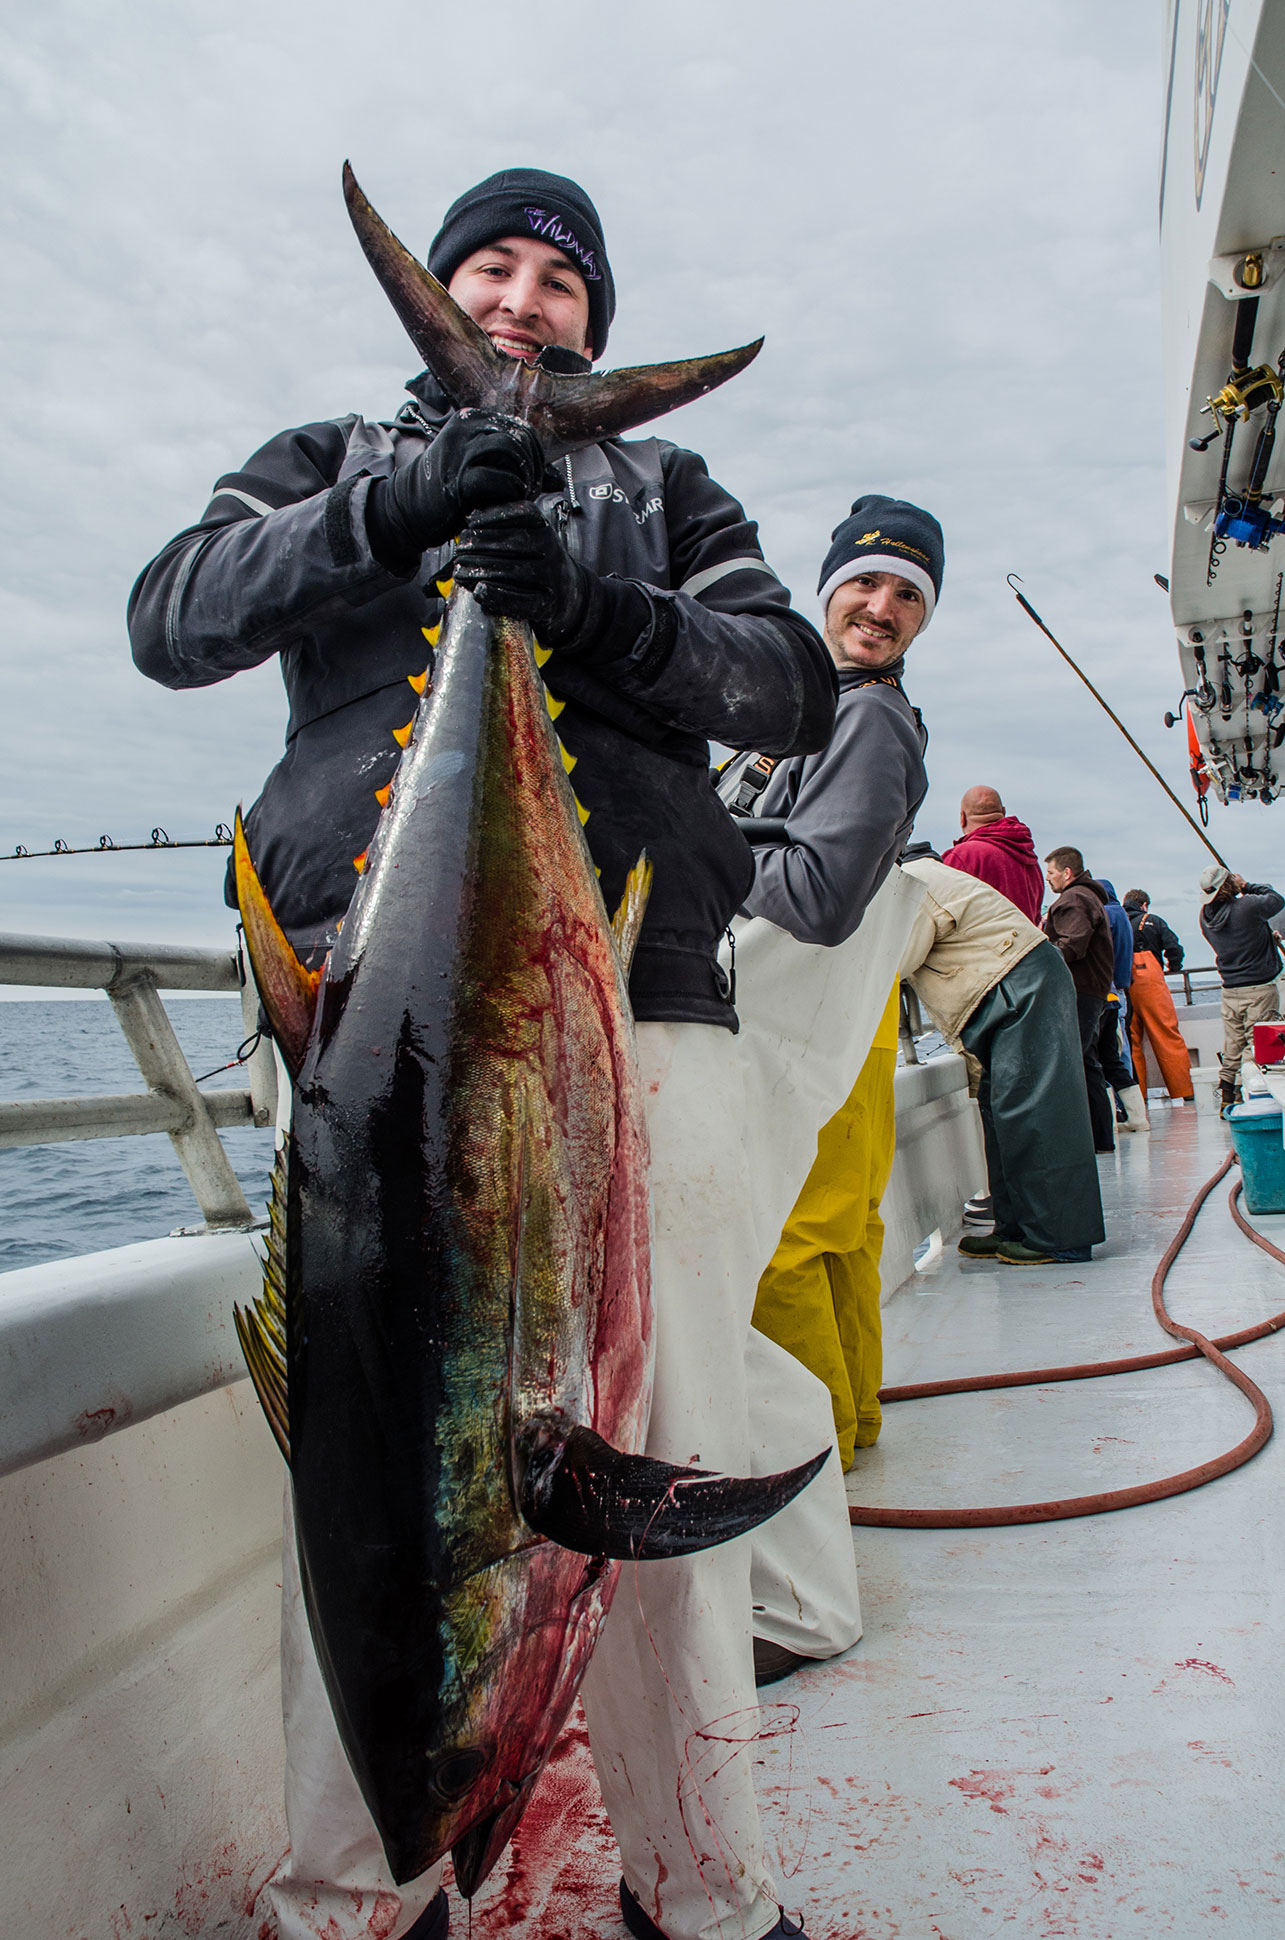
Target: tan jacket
{"x":966,"y":937}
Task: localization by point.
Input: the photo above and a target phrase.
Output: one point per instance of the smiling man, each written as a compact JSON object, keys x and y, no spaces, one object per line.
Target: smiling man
{"x":826,"y":830}
{"x":664,"y":627}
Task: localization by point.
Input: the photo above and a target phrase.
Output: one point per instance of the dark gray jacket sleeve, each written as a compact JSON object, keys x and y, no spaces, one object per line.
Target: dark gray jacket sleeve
{"x":1262,"y":900}
{"x":279,"y":543}
{"x":725,"y":655}
{"x":852,"y":812}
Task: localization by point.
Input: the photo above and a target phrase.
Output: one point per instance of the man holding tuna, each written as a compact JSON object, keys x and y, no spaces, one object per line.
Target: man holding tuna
{"x":664,"y":627}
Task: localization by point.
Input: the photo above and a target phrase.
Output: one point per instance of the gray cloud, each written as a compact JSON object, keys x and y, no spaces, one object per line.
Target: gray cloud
{"x":944,"y":219}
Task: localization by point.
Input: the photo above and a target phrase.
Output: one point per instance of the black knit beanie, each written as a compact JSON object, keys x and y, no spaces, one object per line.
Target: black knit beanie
{"x":529,"y":202}
{"x":886,"y":535}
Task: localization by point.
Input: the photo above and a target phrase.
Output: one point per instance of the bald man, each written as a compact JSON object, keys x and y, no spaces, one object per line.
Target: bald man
{"x":996,"y":848}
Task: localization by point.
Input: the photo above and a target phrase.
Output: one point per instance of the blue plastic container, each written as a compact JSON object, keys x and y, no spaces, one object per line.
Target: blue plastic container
{"x":1256,"y":1133}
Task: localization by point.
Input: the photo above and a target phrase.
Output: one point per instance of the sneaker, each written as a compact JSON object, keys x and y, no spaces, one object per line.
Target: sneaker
{"x":1015,"y":1252}
{"x":643,"y":1928}
{"x":979,"y":1246}
{"x":1074,"y":1255}
{"x":979,"y":1210}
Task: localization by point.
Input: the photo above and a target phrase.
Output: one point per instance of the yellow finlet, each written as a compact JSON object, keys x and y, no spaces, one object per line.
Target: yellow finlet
{"x":541,"y":653}
{"x":359,"y":862}
{"x":626,"y":924}
{"x":581,"y":810}
{"x":568,"y":760}
{"x":419,"y":681}
{"x":446,"y":587}
{"x":432,"y":633}
{"x":402,"y":735}
{"x":382,"y":794}
{"x":262,"y":1328}
{"x":555,"y":707}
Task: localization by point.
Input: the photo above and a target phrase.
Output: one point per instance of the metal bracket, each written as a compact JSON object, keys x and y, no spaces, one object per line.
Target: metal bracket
{"x":1248,"y":272}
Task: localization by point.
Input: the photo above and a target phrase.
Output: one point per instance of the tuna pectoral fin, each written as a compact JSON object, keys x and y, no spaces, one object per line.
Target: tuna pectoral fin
{"x":627,"y":922}
{"x":585,"y":1495}
{"x":288,"y":990}
{"x":261,"y":1329}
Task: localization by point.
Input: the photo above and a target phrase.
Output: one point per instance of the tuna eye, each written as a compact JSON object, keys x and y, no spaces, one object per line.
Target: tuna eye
{"x":453,"y":1774}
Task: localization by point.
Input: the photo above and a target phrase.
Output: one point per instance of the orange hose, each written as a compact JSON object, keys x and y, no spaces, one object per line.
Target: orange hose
{"x":1108,"y":1499}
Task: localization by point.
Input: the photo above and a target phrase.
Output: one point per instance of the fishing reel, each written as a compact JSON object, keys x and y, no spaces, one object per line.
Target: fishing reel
{"x":1247,"y":522}
{"x":1239,"y":396}
{"x":1172,"y":719}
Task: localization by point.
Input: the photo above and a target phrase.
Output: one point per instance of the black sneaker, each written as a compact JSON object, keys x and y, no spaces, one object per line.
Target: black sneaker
{"x":979,"y":1210}
{"x":644,"y":1929}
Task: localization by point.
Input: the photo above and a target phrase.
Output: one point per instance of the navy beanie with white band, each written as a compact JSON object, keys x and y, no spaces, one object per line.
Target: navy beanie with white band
{"x":529,"y":202}
{"x":886,"y":535}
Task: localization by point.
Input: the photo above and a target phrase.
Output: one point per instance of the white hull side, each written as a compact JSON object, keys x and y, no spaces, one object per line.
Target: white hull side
{"x":1222,"y":195}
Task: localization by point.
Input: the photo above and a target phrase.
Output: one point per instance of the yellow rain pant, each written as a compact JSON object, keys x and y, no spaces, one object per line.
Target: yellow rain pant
{"x":819,"y":1298}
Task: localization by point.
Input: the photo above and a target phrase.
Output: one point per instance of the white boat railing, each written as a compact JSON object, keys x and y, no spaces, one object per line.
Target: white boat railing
{"x":132,"y":975}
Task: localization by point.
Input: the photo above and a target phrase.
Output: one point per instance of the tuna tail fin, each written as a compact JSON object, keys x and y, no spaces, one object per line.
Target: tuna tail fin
{"x":262,"y":1330}
{"x":566,"y":411}
{"x":288,"y":990}
{"x":626,"y":924}
{"x":587,"y":1496}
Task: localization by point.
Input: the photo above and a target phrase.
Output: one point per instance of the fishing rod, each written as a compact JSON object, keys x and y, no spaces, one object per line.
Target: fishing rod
{"x":221,"y":839}
{"x":1105,"y":705}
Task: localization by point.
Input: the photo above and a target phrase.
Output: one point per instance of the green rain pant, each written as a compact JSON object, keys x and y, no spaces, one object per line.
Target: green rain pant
{"x":1035,"y":1113}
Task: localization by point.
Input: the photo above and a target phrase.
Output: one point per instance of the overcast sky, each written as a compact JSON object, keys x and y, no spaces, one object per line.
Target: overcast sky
{"x":943,"y":217}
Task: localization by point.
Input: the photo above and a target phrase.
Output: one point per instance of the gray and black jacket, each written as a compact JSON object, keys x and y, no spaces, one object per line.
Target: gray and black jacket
{"x":280,"y":563}
{"x":841,"y":817}
{"x":1243,"y":940}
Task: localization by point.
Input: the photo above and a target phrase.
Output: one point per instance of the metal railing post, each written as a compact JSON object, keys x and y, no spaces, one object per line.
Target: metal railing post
{"x":261,"y":1066}
{"x":159,"y":1056}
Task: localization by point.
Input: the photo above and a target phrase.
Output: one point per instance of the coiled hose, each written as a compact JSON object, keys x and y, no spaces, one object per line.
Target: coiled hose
{"x":1107,"y":1499}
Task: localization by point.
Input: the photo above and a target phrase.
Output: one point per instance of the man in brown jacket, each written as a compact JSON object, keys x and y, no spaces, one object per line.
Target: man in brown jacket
{"x":996,"y":989}
{"x":1076,"y":924}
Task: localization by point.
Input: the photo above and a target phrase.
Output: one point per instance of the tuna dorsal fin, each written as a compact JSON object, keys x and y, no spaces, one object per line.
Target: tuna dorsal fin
{"x":587,"y":1496}
{"x":261,"y":1329}
{"x":566,"y":410}
{"x":288,"y":990}
{"x":627,"y":921}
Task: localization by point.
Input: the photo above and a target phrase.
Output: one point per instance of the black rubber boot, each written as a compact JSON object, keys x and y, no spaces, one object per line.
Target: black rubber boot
{"x":433,"y":1921}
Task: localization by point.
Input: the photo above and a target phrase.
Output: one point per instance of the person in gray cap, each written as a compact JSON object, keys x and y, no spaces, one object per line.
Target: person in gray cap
{"x":1235,"y":921}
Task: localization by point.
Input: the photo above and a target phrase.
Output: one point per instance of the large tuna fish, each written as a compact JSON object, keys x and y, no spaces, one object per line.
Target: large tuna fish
{"x":453,"y":1345}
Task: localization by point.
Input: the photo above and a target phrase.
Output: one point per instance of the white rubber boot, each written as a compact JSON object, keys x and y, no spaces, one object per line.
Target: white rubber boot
{"x":1135,"y":1106}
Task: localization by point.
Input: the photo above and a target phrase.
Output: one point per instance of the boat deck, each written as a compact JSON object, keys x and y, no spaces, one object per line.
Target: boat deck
{"x":1068,"y":1730}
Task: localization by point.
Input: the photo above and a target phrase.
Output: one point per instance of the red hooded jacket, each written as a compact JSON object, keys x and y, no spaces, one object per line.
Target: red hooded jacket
{"x":1002,"y":854}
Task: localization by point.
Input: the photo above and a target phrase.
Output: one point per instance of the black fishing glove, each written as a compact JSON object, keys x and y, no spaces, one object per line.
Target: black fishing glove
{"x":478,"y":458}
{"x":514,"y":564}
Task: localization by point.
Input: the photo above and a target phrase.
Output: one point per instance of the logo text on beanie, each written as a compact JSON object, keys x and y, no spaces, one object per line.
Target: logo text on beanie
{"x":866,"y":537}
{"x":544,"y":223}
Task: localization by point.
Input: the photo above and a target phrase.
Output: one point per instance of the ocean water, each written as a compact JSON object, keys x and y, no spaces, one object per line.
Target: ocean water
{"x":57,"y":1200}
